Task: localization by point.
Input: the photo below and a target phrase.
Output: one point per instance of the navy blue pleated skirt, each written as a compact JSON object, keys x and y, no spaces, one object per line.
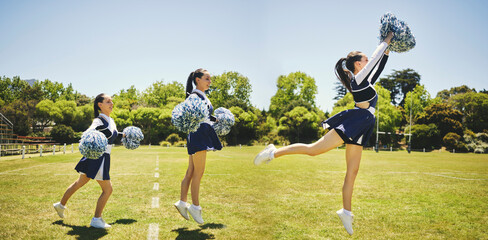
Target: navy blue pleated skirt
{"x":204,"y":138}
{"x":91,"y":167}
{"x":354,"y":126}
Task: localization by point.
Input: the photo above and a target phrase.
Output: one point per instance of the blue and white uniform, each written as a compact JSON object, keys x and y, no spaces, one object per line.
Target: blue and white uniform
{"x":99,"y":169}
{"x":205,"y":137}
{"x":355,"y":126}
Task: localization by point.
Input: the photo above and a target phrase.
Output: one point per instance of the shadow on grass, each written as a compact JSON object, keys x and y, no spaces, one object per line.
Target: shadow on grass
{"x":185,"y":233}
{"x":86,"y":233}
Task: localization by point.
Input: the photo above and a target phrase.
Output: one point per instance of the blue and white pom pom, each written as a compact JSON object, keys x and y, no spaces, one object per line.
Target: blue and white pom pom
{"x":403,"y":40}
{"x":93,"y":144}
{"x":188,"y":115}
{"x":225,"y":121}
{"x":132,"y":137}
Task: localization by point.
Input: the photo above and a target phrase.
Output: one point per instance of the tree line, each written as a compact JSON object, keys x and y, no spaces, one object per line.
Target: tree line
{"x":454,"y":118}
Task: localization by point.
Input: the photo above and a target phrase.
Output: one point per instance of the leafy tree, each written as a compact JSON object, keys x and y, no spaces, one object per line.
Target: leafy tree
{"x":13,"y":89}
{"x":63,"y":134}
{"x":390,"y":116}
{"x":446,"y":118}
{"x":46,"y":112}
{"x":295,"y":86}
{"x":68,"y":111}
{"x":417,"y":100}
{"x":299,"y":125}
{"x":474,"y":107}
{"x":244,"y":129}
{"x":399,"y":83}
{"x":341,"y":91}
{"x":453,"y":141}
{"x":173,"y":138}
{"x":425,"y":136}
{"x":21,"y":114}
{"x":83,"y":118}
{"x":126,"y":99}
{"x":159,"y":94}
{"x":148,"y":120}
{"x":230,"y":89}
{"x":122,"y":118}
{"x":446,"y":94}
{"x":51,"y":90}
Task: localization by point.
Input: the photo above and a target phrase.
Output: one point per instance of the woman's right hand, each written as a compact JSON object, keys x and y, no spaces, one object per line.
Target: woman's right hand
{"x":388,"y":38}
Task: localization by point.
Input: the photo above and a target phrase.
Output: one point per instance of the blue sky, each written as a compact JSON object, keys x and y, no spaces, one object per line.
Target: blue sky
{"x":106,"y":46}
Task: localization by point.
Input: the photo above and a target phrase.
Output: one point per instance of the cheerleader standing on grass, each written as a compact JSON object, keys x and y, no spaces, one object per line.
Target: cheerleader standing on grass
{"x":352,"y":127}
{"x":199,"y":143}
{"x":97,"y":169}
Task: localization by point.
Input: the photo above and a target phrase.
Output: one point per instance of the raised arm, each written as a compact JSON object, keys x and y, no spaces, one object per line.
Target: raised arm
{"x":372,"y":63}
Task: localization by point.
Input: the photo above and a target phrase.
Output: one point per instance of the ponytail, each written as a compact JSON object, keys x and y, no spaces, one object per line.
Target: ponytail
{"x":344,"y":68}
{"x":98,"y":99}
{"x":192,"y":79}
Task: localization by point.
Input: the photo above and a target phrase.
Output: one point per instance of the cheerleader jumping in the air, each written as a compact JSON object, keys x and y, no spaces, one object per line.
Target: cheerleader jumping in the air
{"x":352,"y":127}
{"x":97,"y":169}
{"x":199,"y":143}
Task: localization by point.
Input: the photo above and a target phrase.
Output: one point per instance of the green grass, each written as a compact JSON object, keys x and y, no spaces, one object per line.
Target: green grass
{"x":397,"y":196}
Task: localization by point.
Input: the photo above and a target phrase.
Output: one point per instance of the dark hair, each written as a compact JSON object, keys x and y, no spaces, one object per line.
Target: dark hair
{"x":192,"y":80}
{"x":98,"y":99}
{"x":344,"y":75}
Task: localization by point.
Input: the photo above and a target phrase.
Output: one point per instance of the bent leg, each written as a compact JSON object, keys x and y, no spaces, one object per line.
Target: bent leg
{"x":82,"y":180}
{"x":330,"y":141}
{"x":353,"y":159}
{"x":185,"y":184}
{"x":102,"y":200}
{"x":199,"y":159}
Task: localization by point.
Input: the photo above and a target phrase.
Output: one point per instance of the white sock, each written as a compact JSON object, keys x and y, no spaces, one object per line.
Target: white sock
{"x":62,"y":206}
{"x":181,"y":203}
{"x":348,"y":213}
{"x":95,"y":218}
{"x":196,"y":207}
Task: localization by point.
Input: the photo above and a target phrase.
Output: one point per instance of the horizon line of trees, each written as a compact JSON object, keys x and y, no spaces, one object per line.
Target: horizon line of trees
{"x":455,"y":118}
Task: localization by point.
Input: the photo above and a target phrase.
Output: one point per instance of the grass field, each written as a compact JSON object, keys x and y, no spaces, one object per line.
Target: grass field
{"x":397,"y":196}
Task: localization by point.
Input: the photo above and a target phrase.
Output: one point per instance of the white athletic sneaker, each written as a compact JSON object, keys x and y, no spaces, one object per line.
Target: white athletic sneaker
{"x":59,"y":209}
{"x":265,"y":155}
{"x":196,"y":214}
{"x":346,"y":220}
{"x":99,"y":223}
{"x":183,"y":209}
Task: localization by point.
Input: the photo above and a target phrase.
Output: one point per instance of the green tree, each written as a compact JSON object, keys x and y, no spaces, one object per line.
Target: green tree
{"x":21,"y":114}
{"x":295,"y":86}
{"x":159,"y":94}
{"x":127,"y":99}
{"x":399,"y":83}
{"x":13,"y":89}
{"x":417,"y":100}
{"x":122,"y":118}
{"x":425,"y":136}
{"x":444,"y":116}
{"x":390,"y":116}
{"x":63,"y":134}
{"x":51,"y":90}
{"x":244,"y":129}
{"x":474,"y":107}
{"x":446,"y":94}
{"x":46,"y":112}
{"x":299,"y":125}
{"x":148,"y":120}
{"x":68,"y":111}
{"x":83,"y":118}
{"x":230,"y":89}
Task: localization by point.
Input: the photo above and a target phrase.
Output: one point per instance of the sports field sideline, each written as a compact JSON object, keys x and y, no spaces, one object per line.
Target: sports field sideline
{"x":397,"y":196}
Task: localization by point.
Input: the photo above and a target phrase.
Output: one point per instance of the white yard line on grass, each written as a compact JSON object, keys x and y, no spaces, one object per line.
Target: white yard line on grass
{"x":153,"y":231}
{"x":156,"y":186}
{"x":156,"y":175}
{"x":467,"y":179}
{"x":155,"y":202}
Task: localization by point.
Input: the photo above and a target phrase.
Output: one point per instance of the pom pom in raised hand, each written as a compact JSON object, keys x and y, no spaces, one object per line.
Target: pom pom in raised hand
{"x":403,"y":40}
{"x":225,"y":121}
{"x":188,"y":115}
{"x":93,"y":144}
{"x":132,"y":137}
